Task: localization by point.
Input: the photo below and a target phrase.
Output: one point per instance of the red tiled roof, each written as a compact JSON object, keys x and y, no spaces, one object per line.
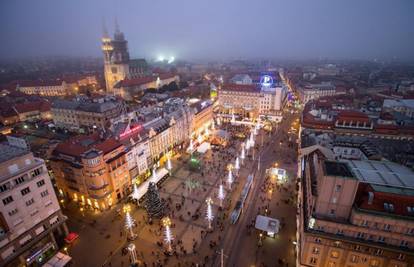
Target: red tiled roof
{"x":80,"y":144}
{"x":164,"y":76}
{"x":32,"y":106}
{"x":399,"y":201}
{"x":348,"y":115}
{"x":240,"y":87}
{"x":136,"y":81}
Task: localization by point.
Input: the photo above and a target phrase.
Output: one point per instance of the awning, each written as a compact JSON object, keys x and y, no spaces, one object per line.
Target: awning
{"x":59,"y":260}
{"x":143,"y":188}
{"x":203,"y":148}
{"x":267,"y":224}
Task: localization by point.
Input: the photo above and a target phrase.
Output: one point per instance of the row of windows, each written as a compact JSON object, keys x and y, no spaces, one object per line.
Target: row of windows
{"x":7,"y":200}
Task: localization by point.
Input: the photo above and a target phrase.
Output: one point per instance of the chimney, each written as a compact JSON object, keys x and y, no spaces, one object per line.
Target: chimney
{"x":370,"y":198}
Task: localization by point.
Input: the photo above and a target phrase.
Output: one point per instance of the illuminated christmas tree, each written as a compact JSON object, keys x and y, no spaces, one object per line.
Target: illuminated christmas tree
{"x":154,"y":205}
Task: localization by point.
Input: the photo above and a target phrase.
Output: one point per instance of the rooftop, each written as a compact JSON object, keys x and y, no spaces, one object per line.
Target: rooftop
{"x":241,"y":87}
{"x":382,"y":173}
{"x":335,"y":168}
{"x":8,"y":152}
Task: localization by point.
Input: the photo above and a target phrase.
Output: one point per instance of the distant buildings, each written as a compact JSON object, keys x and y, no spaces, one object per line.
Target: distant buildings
{"x":241,"y":79}
{"x":128,"y":88}
{"x":30,"y":216}
{"x":86,"y":113}
{"x":117,"y":64}
{"x":92,"y":169}
{"x":312,"y":91}
{"x":44,"y":88}
{"x":252,"y":100}
{"x":26,"y":111}
{"x":354,"y":212}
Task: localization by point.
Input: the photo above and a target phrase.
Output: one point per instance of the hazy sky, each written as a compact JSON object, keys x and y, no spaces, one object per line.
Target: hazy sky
{"x":212,"y":28}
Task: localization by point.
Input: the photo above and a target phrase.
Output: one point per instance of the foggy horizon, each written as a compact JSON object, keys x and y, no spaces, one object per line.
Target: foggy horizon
{"x":212,"y":30}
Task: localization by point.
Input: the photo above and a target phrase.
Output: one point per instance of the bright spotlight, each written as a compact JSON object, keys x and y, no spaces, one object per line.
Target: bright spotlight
{"x":160,"y":58}
{"x":171,"y":60}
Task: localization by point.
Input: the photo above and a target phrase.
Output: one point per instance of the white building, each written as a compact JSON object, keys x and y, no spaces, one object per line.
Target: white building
{"x":402,"y":106}
{"x":241,"y":79}
{"x":30,"y":216}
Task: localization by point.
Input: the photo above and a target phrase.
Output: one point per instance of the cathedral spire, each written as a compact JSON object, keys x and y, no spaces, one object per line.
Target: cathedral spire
{"x":104,"y":29}
{"x":117,"y":30}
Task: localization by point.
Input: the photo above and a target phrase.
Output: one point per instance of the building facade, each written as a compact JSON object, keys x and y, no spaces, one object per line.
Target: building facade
{"x":44,"y":88}
{"x":314,"y":91}
{"x":203,"y":117}
{"x":251,"y":100}
{"x":91,"y":114}
{"x":354,"y":213}
{"x":117,"y":64}
{"x":92,"y":170}
{"x":30,"y":216}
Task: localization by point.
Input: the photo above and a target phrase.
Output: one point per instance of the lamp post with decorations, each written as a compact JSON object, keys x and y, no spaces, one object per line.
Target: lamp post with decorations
{"x":221,"y":194}
{"x":129,"y":222}
{"x":168,"y":237}
{"x":209,"y":212}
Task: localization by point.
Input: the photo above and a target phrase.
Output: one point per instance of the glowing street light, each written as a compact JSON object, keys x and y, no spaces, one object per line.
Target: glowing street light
{"x":243,"y":155}
{"x":221,"y":194}
{"x":129,"y":221}
{"x":133,"y":253}
{"x":171,"y":60}
{"x":209,"y":213}
{"x":237,"y":164}
{"x":169,"y":165}
{"x":135,"y":193}
{"x":230,"y":179}
{"x":168,"y":237}
{"x":191,"y":146}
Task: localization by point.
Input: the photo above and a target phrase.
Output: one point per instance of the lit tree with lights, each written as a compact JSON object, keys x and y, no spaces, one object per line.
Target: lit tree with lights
{"x":230,"y":178}
{"x":168,"y":237}
{"x":209,"y":212}
{"x":154,"y":206}
{"x":221,"y":194}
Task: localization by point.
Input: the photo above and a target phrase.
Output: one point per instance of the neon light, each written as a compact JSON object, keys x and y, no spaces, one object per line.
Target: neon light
{"x":130,"y":131}
{"x":266,"y":81}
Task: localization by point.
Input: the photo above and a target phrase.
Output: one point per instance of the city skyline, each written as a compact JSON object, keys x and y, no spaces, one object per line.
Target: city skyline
{"x":213,"y":30}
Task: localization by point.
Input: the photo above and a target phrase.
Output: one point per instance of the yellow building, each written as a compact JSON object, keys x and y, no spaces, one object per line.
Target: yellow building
{"x":92,"y":170}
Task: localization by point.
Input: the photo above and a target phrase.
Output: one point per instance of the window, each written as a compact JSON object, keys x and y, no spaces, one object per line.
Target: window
{"x":315,"y":250}
{"x":374,"y":263}
{"x":404,"y":243}
{"x":354,"y":258}
{"x":7,"y":200}
{"x":317,"y":240}
{"x":340,"y":232}
{"x":29,"y":202}
{"x":360,"y":235}
{"x":44,"y":193}
{"x":13,"y":211}
{"x":381,"y":239}
{"x":364,"y":223}
{"x":332,"y":212}
{"x":388,"y":207}
{"x":40,"y":183}
{"x":313,"y":260}
{"x":19,"y":180}
{"x":25,"y":191}
{"x":36,"y":172}
{"x":338,"y":188}
{"x":410,"y":209}
{"x":387,"y":227}
{"x":379,"y":252}
{"x":334,"y":254}
{"x":4,"y":187}
{"x":331,"y":264}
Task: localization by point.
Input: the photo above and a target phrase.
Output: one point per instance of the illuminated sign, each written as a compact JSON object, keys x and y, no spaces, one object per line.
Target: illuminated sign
{"x":266,"y":80}
{"x":130,"y":131}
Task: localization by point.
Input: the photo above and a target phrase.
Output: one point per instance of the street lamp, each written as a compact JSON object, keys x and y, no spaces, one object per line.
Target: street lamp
{"x":237,"y":164}
{"x":260,"y":239}
{"x":221,"y":194}
{"x":230,"y":178}
{"x":129,"y":221}
{"x":209,"y":213}
{"x":133,"y":254}
{"x":166,"y":222}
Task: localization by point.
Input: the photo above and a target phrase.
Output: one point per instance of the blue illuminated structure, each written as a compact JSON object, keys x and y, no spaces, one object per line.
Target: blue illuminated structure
{"x":266,"y":81}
